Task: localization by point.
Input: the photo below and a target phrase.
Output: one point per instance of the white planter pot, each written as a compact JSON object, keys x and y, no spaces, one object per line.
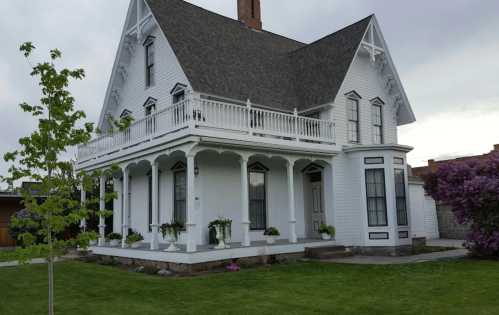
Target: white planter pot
{"x":135,"y":244}
{"x":326,"y":236}
{"x":93,"y":242}
{"x":170,"y":238}
{"x":271,"y":239}
{"x":114,"y":243}
{"x":221,"y":242}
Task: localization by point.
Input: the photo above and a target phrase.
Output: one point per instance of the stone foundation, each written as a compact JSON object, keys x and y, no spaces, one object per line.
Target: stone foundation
{"x":176,"y":267}
{"x":382,"y":250}
{"x":448,"y":226}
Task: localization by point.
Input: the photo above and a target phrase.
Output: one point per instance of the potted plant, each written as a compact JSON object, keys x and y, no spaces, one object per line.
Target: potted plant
{"x":271,"y":234}
{"x":327,"y":231}
{"x":171,"y":233}
{"x":221,"y":229}
{"x":94,"y":238}
{"x":134,"y":240}
{"x":114,"y":238}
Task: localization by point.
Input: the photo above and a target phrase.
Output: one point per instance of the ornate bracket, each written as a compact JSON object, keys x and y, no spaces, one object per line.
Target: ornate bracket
{"x":116,"y":93}
{"x":128,"y":44}
{"x":389,"y":83}
{"x":381,"y":62}
{"x":397,"y":102}
{"x":123,"y":70}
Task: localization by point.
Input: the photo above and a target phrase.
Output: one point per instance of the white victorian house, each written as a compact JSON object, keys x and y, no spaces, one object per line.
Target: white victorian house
{"x":232,"y":120}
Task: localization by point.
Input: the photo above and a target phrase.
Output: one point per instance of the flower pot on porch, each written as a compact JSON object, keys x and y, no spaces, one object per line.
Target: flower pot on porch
{"x":220,"y":237}
{"x":326,"y":236}
{"x":135,"y":244}
{"x":114,"y":243}
{"x":170,"y":238}
{"x":271,"y":239}
{"x":93,"y":242}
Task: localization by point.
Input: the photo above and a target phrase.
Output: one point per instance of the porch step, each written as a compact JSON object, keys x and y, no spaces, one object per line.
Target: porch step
{"x":327,"y":252}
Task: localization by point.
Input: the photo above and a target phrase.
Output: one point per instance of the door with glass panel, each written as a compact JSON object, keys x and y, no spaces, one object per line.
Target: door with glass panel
{"x":316,"y":206}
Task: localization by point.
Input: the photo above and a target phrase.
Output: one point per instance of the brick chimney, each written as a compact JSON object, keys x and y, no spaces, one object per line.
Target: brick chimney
{"x":496,"y":148}
{"x":248,"y":11}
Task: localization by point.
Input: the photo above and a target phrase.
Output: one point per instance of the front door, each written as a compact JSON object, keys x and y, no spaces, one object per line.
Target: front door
{"x":316,"y":208}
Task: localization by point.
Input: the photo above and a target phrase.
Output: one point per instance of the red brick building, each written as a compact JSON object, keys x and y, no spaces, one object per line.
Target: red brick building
{"x":433,"y":165}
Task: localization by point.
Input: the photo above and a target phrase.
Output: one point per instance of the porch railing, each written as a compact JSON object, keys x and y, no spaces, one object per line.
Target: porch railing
{"x":202,"y":113}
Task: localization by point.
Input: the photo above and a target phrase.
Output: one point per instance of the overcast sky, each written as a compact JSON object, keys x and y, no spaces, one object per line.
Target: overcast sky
{"x":445,"y":52}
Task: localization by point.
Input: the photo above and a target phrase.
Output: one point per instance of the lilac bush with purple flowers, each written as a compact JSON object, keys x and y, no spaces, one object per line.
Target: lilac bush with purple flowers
{"x":233,"y":268}
{"x":472,"y":190}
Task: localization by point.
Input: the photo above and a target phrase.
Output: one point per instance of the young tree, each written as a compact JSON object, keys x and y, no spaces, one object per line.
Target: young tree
{"x":472,"y":190}
{"x":39,"y":159}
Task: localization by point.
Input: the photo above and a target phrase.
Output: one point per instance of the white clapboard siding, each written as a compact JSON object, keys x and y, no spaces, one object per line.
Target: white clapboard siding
{"x":417,"y":200}
{"x":168,"y":73}
{"x":364,"y":79}
{"x":432,"y":231}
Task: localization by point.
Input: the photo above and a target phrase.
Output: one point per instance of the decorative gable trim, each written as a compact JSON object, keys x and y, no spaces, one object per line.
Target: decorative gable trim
{"x":125,"y":113}
{"x":150,"y":102}
{"x":381,"y":62}
{"x":312,"y":167}
{"x":258,"y":167}
{"x":353,"y":94}
{"x":178,"y":88}
{"x":397,"y":102}
{"x":179,"y":166}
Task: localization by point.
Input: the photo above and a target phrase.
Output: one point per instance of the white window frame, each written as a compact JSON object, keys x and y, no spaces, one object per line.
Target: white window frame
{"x":149,"y":42}
{"x":178,"y":89}
{"x":353,"y":97}
{"x":179,"y":167}
{"x":259,"y":168}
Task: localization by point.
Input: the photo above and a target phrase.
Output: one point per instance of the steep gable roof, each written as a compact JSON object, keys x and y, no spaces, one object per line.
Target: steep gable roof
{"x":220,"y":56}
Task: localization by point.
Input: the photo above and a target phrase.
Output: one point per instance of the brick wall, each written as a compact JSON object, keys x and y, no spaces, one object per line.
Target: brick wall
{"x":448,"y":226}
{"x":433,"y":165}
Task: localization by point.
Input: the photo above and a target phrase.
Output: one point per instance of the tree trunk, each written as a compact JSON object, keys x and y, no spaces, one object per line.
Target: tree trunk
{"x":49,"y":227}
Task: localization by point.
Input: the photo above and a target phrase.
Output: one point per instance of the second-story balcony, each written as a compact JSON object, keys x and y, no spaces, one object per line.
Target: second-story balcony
{"x":202,"y":114}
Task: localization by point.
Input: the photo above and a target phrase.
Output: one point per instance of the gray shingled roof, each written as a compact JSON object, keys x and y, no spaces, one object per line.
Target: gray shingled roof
{"x":220,"y":56}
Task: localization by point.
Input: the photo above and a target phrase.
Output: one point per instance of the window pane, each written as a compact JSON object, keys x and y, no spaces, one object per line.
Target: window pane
{"x":376,"y":200}
{"x":179,"y":196}
{"x":374,"y":160}
{"x":397,"y":160}
{"x":400,"y":197}
{"x":257,"y":200}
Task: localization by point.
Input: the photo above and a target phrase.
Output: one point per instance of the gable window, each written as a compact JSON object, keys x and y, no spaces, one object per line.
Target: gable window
{"x":178,"y":93}
{"x":400,"y":197}
{"x":150,"y":197}
{"x":179,"y":192}
{"x":150,"y":59}
{"x":376,"y":197}
{"x":377,"y":120}
{"x":257,"y":174}
{"x":353,"y":116}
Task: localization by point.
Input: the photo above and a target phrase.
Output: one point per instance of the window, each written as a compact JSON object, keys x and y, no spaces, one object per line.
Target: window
{"x":353,"y":119}
{"x":373,"y":160}
{"x":397,"y":160}
{"x":179,"y":97}
{"x":257,"y":196}
{"x":376,"y":197}
{"x":377,"y":124}
{"x":126,"y":133}
{"x":150,"y":197}
{"x":179,"y":192}
{"x":400,"y":197}
{"x":178,"y":93}
{"x":150,"y":59}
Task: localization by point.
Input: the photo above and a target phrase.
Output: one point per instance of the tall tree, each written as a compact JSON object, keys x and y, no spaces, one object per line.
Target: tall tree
{"x":39,"y":160}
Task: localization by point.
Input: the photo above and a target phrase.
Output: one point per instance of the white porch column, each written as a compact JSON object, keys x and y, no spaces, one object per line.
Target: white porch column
{"x":126,"y":206}
{"x":291,"y":204}
{"x":83,"y":199}
{"x":102,"y":225}
{"x":155,"y":224}
{"x":244,"y":203}
{"x":191,"y":215}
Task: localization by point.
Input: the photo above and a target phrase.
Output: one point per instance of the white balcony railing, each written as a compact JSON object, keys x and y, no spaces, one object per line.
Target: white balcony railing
{"x":202,"y":113}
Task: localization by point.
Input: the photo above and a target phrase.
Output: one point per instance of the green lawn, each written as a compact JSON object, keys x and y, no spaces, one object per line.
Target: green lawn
{"x":452,"y":287}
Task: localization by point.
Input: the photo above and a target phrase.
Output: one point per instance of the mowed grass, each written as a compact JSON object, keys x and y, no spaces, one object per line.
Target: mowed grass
{"x":451,"y":287}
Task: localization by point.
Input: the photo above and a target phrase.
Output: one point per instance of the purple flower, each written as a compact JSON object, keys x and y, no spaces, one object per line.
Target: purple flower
{"x":233,"y":268}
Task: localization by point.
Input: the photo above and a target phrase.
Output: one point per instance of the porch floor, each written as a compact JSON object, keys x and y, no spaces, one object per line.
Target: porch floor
{"x":207,"y":252}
